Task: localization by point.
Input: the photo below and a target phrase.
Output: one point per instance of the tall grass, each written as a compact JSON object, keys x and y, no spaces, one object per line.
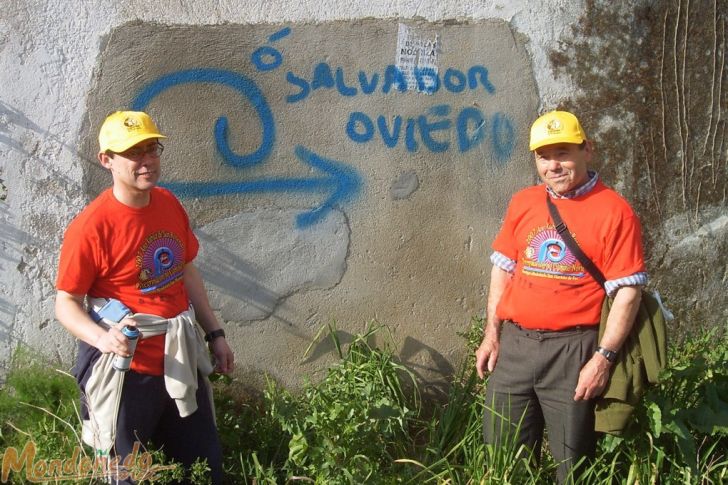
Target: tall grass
{"x":347,"y":428}
{"x":363,"y":422}
{"x":38,"y":404}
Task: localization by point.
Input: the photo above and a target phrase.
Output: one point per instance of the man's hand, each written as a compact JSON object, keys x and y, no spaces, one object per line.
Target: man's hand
{"x":593,"y":378}
{"x":113,"y":341}
{"x":224,"y":358}
{"x":487,"y":354}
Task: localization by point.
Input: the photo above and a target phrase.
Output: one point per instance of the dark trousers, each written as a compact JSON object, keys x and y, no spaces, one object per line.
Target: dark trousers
{"x":148,"y":414}
{"x":533,"y":386}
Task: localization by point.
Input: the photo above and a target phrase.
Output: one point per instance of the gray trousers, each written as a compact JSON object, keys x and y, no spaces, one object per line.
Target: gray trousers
{"x":533,"y":386}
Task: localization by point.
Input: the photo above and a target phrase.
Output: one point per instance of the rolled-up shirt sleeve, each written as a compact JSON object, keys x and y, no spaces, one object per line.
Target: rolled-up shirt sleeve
{"x":503,"y":262}
{"x":611,"y":286}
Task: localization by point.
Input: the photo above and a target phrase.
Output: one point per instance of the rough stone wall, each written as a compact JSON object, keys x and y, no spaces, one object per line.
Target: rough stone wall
{"x":652,"y":87}
{"x":328,"y":221}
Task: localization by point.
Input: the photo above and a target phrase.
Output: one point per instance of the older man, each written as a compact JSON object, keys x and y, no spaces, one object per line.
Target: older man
{"x":540,"y":338}
{"x":130,"y":253}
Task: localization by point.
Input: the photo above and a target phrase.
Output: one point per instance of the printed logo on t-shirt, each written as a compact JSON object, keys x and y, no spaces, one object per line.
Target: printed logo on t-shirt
{"x":546,"y":255}
{"x":160,"y":261}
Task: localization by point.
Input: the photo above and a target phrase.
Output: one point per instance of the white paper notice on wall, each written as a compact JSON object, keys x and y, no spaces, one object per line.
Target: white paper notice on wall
{"x":416,"y":58}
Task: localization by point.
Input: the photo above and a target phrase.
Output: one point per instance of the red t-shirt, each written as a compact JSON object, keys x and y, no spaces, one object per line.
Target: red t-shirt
{"x":550,"y":289}
{"x":135,"y":255}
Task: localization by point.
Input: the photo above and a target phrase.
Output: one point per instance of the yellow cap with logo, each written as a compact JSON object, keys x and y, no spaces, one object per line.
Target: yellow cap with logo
{"x":556,"y":127}
{"x":124,"y":129}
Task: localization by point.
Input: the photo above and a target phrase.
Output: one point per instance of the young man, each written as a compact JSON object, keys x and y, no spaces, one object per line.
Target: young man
{"x":134,"y":244}
{"x":543,"y":312}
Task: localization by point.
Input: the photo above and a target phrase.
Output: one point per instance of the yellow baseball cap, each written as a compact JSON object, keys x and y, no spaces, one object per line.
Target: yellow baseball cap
{"x":124,"y":129}
{"x":556,"y":127}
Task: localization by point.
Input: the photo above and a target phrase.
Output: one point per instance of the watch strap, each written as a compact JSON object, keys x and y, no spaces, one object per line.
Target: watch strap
{"x":214,"y":334}
{"x":610,"y":355}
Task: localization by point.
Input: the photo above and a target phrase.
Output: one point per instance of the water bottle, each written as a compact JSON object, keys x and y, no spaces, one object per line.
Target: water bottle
{"x":120,"y":363}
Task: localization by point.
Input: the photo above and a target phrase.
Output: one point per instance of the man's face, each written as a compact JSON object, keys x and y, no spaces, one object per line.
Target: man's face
{"x":137,"y":169}
{"x":563,"y":166}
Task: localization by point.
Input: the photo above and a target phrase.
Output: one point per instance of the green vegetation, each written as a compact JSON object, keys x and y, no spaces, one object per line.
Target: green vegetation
{"x":364,"y":422}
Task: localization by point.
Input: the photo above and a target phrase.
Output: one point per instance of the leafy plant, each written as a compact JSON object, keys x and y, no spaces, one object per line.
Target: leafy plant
{"x":680,"y":432}
{"x":347,"y":428}
{"x":364,"y":423}
{"x":254,"y":444}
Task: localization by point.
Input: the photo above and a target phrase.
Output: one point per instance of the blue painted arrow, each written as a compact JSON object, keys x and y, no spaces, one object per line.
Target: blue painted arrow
{"x":339,"y":178}
{"x":343,"y":180}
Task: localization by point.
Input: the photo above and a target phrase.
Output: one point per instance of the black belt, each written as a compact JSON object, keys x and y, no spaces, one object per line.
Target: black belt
{"x":575,"y":328}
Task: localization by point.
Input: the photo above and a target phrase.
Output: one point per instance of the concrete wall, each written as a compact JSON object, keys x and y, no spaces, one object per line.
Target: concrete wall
{"x":344,"y":161}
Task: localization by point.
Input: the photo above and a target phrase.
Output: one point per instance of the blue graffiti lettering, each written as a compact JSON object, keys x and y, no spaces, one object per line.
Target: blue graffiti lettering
{"x":389,"y":138}
{"x":481,"y":71}
{"x":357,"y":118}
{"x":341,"y":86}
{"x":322,"y":77}
{"x":434,"y":129}
{"x":504,"y":137}
{"x":259,"y":61}
{"x":267,"y":58}
{"x":450,"y":85}
{"x":246,"y":87}
{"x":300,"y":83}
{"x":285,"y":31}
{"x":368,"y":87}
{"x":426,"y":129}
{"x":393,"y":74}
{"x":427,"y":80}
{"x":409,"y":141}
{"x":469,"y":115}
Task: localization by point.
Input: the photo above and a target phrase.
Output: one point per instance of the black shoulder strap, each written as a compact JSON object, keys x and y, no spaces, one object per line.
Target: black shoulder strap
{"x":572,"y":244}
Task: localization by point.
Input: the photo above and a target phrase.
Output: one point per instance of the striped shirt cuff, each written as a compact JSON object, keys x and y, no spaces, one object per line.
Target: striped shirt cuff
{"x":637,"y":279}
{"x":503,"y":262}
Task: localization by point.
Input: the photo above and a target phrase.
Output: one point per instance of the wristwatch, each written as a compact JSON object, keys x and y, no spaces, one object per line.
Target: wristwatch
{"x":214,"y":334}
{"x":610,"y":355}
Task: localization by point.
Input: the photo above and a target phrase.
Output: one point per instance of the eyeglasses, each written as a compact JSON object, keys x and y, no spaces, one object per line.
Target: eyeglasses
{"x":154,"y":149}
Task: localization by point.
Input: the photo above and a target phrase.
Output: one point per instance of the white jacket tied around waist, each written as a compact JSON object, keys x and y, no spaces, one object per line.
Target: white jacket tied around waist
{"x":185,"y":354}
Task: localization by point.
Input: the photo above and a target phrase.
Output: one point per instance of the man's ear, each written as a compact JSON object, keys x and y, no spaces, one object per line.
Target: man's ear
{"x":105,"y":160}
{"x":589,"y":147}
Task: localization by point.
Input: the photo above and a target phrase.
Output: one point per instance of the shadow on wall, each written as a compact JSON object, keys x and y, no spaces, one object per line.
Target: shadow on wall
{"x":10,"y":116}
{"x":9,"y":234}
{"x":433,"y":369}
{"x":34,"y":151}
{"x":11,"y":239}
{"x":326,"y":345}
{"x":7,"y":315}
{"x":236,"y":278}
{"x":14,"y":122}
